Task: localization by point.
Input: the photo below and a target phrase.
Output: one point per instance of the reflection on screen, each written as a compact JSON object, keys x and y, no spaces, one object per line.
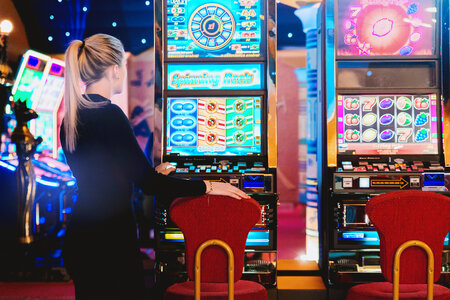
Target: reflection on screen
{"x":222,"y":28}
{"x":380,"y":27}
{"x":227,"y":126}
{"x":387,"y":124}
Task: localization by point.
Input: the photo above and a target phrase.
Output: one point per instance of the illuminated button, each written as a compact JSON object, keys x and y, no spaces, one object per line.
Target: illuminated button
{"x":219,"y":171}
{"x":230,"y":171}
{"x":236,"y":168}
{"x":202,"y":168}
{"x":197,"y":170}
{"x":214,"y":168}
{"x":347,"y":182}
{"x":191,"y":168}
{"x":258,"y":169}
{"x":225,"y":168}
{"x":208,"y":170}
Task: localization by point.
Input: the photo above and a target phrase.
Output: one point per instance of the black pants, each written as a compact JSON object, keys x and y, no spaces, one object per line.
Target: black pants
{"x":107,"y":272}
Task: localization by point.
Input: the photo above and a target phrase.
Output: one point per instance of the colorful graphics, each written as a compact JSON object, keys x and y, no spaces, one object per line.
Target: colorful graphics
{"x":226,"y":126}
{"x":28,"y":83}
{"x":382,"y":27}
{"x":47,"y":107}
{"x":219,"y":29}
{"x":215,"y":77}
{"x":389,"y":124}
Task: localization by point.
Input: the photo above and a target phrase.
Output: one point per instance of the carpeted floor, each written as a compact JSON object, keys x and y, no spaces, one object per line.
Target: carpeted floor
{"x":291,"y":231}
{"x":37,"y":291}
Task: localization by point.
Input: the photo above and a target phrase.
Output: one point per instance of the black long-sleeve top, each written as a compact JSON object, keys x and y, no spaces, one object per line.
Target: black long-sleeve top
{"x":106,"y":162}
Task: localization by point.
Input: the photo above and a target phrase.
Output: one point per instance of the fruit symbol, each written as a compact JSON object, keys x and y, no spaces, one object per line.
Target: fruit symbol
{"x":369,"y":135}
{"x":351,"y":119}
{"x":211,"y":138}
{"x":351,"y":104}
{"x":422,"y":135}
{"x":386,"y":135}
{"x":352,"y":135}
{"x":211,"y":107}
{"x":386,"y":119}
{"x":211,"y":122}
{"x":421,"y":103}
{"x":239,"y":122}
{"x":422,"y":119}
{"x":404,"y":103}
{"x":404,"y":119}
{"x":369,"y":119}
{"x":386,"y":103}
{"x":239,"y":137}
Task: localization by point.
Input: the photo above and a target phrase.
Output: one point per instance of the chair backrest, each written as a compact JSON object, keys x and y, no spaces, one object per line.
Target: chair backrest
{"x":410,"y":215}
{"x":215,"y":217}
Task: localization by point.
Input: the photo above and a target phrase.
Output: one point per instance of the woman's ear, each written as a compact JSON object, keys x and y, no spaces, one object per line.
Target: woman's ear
{"x":116,"y":72}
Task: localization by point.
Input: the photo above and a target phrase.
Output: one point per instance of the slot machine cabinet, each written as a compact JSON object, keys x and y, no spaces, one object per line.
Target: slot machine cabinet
{"x":380,"y":105}
{"x":40,"y":80}
{"x":215,"y":87}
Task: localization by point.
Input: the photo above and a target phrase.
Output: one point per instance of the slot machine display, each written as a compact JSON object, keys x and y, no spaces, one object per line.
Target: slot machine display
{"x":219,"y":100}
{"x":47,"y":108}
{"x":40,"y":80}
{"x":382,"y":122}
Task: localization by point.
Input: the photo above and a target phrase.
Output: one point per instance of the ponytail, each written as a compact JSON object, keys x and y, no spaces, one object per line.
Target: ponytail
{"x":86,"y":62}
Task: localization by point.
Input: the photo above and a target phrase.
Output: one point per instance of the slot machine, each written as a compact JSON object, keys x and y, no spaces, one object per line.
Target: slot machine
{"x":216,"y":84}
{"x":40,"y":80}
{"x":381,"y":129}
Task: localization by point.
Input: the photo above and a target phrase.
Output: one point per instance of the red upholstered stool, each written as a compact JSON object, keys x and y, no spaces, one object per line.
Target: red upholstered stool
{"x":399,"y":217}
{"x":383,"y":290}
{"x":243,"y":290}
{"x":215,"y":217}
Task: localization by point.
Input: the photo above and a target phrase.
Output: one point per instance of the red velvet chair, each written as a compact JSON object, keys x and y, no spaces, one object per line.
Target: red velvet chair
{"x":215,"y":217}
{"x":400,"y":217}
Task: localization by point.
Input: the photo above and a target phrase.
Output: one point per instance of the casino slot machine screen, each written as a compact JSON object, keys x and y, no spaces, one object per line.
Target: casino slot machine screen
{"x":224,"y":126}
{"x":47,"y":107}
{"x":387,"y":124}
{"x":215,"y":29}
{"x":386,"y":28}
{"x":28,"y":83}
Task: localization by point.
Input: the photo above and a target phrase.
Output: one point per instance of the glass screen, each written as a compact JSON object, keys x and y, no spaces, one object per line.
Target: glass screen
{"x":386,"y":27}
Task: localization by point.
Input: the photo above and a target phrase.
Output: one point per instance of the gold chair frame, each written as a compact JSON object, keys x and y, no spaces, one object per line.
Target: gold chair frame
{"x":430,"y":270}
{"x":198,"y":255}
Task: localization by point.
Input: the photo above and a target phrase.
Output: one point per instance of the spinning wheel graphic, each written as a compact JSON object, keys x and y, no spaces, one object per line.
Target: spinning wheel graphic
{"x":211,"y":26}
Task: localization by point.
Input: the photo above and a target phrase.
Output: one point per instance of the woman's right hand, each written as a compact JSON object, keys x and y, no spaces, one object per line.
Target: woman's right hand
{"x":224,"y":189}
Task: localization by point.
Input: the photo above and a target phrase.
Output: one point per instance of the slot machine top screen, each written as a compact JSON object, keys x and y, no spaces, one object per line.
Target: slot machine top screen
{"x":387,"y":124}
{"x":222,"y":28}
{"x":219,"y":126}
{"x":386,"y":28}
{"x":29,"y":78}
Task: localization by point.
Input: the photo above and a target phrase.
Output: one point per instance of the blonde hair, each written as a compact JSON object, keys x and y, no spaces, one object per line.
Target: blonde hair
{"x":86,"y":61}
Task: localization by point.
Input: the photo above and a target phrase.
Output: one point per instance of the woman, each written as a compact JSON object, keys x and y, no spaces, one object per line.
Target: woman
{"x":101,"y":251}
